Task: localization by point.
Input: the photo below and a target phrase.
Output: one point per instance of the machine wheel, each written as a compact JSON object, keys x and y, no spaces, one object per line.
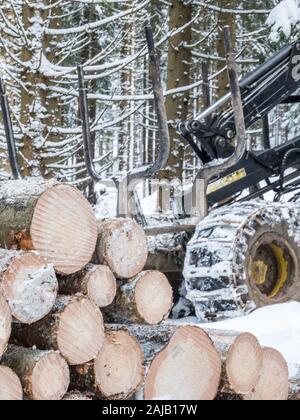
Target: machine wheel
{"x":242,"y":257}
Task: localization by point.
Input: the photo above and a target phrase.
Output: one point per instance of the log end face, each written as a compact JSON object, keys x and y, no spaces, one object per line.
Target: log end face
{"x":50,"y":378}
{"x":189,"y":368}
{"x":10,"y":385}
{"x":64,"y":229}
{"x":244,"y":364}
{"x":101,"y":286}
{"x":30,"y":287}
{"x":153,"y":297}
{"x":119,"y":366}
{"x":273,"y":384}
{"x":5,"y":324}
{"x":123,"y":247}
{"x":80,"y":334}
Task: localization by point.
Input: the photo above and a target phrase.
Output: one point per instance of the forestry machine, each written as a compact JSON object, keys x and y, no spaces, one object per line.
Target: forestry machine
{"x":245,"y":251}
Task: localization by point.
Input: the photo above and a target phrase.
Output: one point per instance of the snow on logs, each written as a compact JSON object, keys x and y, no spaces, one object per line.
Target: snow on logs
{"x":74,"y":327}
{"x":147,"y":298}
{"x":53,"y":219}
{"x":96,"y":282}
{"x":117,"y":371}
{"x":44,"y":374}
{"x":28,"y":283}
{"x":5,"y":324}
{"x":122,"y":245}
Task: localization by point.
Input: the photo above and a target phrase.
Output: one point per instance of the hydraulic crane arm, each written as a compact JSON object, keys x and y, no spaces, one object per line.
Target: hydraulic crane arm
{"x":271,"y":84}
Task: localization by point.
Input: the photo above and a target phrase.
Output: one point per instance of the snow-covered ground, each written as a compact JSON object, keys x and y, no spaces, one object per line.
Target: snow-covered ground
{"x":275,"y":326}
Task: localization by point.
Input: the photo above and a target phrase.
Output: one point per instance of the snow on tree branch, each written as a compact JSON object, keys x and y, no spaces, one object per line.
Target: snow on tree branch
{"x":283,"y":18}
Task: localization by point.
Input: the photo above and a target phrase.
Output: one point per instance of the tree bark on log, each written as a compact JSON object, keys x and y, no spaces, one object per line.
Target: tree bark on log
{"x":53,"y":219}
{"x":189,"y":368}
{"x":273,"y":384}
{"x":74,"y":327}
{"x":97,"y":282}
{"x":29,"y":284}
{"x":44,"y":374}
{"x":148,"y":298}
{"x":116,"y":373}
{"x":10,"y":385}
{"x":122,"y":245}
{"x":5,"y":324}
{"x":78,"y":396}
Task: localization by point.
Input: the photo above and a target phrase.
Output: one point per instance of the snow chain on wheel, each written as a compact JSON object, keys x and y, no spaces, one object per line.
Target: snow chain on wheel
{"x":242,"y":257}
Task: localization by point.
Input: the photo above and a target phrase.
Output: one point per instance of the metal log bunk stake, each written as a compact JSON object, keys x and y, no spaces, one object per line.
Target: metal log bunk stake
{"x":86,"y":133}
{"x":128,"y":184}
{"x":11,"y":144}
{"x":209,"y":171}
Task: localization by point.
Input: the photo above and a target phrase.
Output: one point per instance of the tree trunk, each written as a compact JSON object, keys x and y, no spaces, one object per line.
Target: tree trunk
{"x":29,"y":285}
{"x":273,"y":384}
{"x":122,"y":246}
{"x":117,"y":371}
{"x":41,"y":110}
{"x":55,"y":220}
{"x":179,"y":65}
{"x":44,"y":374}
{"x":5,"y":324}
{"x":189,"y":368}
{"x":75,"y":328}
{"x":10,"y":385}
{"x":96,"y":282}
{"x":148,"y":298}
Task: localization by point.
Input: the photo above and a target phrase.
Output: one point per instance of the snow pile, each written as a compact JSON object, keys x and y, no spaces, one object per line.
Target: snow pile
{"x":283,"y":17}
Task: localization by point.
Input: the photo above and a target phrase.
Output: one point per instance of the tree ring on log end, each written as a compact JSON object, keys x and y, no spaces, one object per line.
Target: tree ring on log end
{"x":101,"y":286}
{"x":123,"y":247}
{"x":244,"y":363}
{"x":10,"y":385}
{"x":30,"y":287}
{"x":80,"y":334}
{"x":50,"y":378}
{"x":64,"y":229}
{"x":119,"y":366}
{"x":189,"y":368}
{"x":153,"y":297}
{"x":273,"y":384}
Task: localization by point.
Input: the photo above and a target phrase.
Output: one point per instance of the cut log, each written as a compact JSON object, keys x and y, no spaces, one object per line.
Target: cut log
{"x":44,"y":374}
{"x":53,"y":219}
{"x":273,"y":384}
{"x":242,"y":365}
{"x":5,"y":324}
{"x":148,"y":298}
{"x":117,"y":371}
{"x":28,"y":283}
{"x":122,"y":245}
{"x":189,"y":368}
{"x":10,"y":385}
{"x":97,"y":282}
{"x":74,"y":327}
{"x":78,"y":396}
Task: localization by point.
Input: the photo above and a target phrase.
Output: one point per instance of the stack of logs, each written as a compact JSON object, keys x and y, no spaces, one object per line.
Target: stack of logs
{"x":81,"y":317}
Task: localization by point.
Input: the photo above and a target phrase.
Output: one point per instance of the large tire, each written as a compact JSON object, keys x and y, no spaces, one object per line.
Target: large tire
{"x":242,"y":257}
